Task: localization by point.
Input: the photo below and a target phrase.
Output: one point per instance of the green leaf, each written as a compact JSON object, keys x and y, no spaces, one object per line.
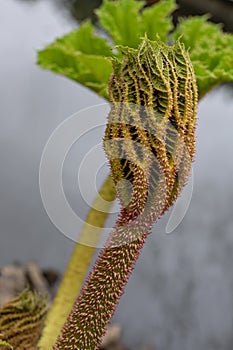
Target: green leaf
{"x":126,"y":21}
{"x":121,"y":20}
{"x":211,"y":51}
{"x":95,"y":72}
{"x":84,"y":40}
{"x":81,"y":56}
{"x":157,"y":20}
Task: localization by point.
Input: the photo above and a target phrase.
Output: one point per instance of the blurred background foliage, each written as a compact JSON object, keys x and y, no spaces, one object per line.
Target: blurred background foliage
{"x":221,"y":11}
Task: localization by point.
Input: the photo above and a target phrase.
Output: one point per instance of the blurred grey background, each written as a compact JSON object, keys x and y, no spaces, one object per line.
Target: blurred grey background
{"x":180,"y":296}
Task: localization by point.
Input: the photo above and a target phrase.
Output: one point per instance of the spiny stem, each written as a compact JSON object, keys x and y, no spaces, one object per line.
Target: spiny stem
{"x":78,"y":266}
{"x":102,"y":293}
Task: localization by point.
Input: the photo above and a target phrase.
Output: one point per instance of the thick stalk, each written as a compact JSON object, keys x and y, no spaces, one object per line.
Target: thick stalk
{"x":77,"y":267}
{"x":94,"y":308}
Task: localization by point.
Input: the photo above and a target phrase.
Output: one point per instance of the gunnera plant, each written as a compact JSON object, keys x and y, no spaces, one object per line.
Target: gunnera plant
{"x":153,"y":89}
{"x":153,"y":76}
{"x":21,"y":321}
{"x":149,"y":140}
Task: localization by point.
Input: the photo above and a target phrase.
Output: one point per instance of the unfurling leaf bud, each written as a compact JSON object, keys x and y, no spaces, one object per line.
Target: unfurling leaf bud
{"x":21,"y":321}
{"x":150,"y":142}
{"x":150,"y":136}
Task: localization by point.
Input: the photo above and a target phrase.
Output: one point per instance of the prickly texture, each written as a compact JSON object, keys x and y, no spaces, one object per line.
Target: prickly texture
{"x":149,"y":140}
{"x":150,"y":136}
{"x":21,"y":321}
